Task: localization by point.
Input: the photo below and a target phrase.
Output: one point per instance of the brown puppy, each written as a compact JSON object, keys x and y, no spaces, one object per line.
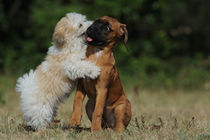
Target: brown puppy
{"x":107,"y":105}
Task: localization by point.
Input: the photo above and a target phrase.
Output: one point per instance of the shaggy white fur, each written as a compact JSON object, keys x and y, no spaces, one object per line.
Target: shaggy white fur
{"x":43,"y":89}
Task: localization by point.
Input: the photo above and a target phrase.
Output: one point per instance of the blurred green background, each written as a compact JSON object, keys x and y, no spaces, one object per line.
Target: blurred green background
{"x":169,"y":40}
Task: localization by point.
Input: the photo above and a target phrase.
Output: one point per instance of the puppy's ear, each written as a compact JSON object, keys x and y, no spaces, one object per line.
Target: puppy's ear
{"x":124,"y":33}
{"x":59,"y":33}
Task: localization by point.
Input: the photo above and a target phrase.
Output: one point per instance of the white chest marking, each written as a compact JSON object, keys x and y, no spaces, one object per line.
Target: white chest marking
{"x":97,"y":52}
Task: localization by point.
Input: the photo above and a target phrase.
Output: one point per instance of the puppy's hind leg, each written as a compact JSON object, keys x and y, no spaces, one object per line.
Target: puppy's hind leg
{"x":122,"y":115}
{"x":89,"y":109}
{"x":37,"y":115}
{"x":37,"y":112}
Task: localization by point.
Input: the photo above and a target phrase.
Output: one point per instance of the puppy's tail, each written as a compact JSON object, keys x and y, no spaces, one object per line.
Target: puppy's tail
{"x":26,"y":83}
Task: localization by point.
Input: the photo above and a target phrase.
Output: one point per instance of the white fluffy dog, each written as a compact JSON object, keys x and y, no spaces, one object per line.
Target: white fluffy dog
{"x":54,"y":79}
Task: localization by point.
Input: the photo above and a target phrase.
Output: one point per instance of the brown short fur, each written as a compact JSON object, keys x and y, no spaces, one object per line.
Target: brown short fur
{"x":107,"y":105}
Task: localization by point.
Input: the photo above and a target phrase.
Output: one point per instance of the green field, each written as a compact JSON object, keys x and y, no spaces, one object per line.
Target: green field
{"x":156,"y":115}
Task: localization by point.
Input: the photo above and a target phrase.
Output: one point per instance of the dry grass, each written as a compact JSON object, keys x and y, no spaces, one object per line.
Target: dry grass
{"x":156,"y":115}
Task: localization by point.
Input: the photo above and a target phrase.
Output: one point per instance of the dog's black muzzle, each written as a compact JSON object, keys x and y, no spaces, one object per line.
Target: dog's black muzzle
{"x":96,"y":34}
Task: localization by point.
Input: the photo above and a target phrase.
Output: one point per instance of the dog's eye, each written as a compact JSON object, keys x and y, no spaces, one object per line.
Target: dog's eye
{"x":107,"y":28}
{"x":80,"y":25}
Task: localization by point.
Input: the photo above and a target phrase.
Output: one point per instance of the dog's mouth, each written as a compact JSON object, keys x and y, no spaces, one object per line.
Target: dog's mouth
{"x":89,"y":39}
{"x":94,"y":42}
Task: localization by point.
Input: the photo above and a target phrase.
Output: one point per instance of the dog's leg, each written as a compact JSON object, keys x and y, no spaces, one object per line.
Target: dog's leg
{"x":81,"y":69}
{"x":77,"y":108}
{"x":107,"y":121}
{"x":109,"y":118}
{"x":90,"y":108}
{"x":99,"y":108}
{"x":128,"y":114}
{"x":122,"y":114}
{"x":119,"y":115}
{"x":101,"y":94}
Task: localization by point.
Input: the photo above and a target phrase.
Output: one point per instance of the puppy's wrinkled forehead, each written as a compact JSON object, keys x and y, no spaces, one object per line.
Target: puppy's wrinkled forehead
{"x":113,"y":23}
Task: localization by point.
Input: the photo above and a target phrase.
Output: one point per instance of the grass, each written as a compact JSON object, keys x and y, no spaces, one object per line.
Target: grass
{"x":159,"y":115}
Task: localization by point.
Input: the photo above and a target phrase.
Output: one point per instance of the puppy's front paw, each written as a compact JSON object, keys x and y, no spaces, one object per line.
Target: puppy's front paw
{"x":94,"y":72}
{"x":95,"y":128}
{"x":74,"y":122}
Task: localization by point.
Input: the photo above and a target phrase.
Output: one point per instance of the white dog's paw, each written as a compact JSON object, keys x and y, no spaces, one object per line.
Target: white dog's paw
{"x":94,"y":72}
{"x":71,"y":75}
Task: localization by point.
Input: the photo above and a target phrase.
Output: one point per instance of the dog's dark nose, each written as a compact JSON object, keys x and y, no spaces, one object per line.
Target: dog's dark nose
{"x":91,"y":30}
